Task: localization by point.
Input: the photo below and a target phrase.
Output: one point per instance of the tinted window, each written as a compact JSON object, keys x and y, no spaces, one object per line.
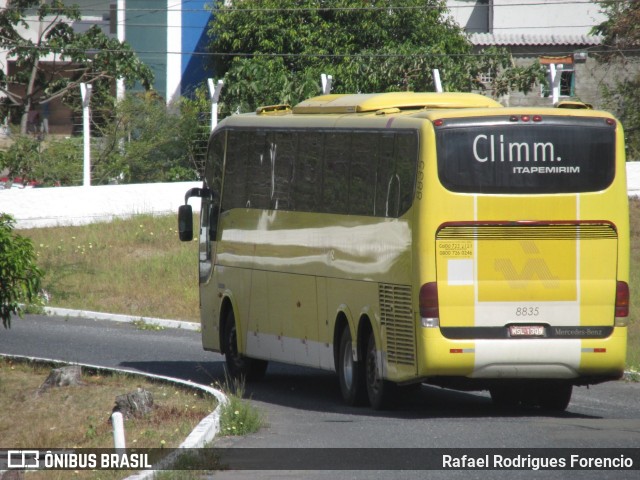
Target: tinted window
{"x":307,"y":183}
{"x":362,"y":182}
{"x":556,"y":155}
{"x":235,"y":170}
{"x":333,"y":171}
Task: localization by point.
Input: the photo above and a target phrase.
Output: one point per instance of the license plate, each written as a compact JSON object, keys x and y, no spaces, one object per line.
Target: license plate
{"x":526,"y":331}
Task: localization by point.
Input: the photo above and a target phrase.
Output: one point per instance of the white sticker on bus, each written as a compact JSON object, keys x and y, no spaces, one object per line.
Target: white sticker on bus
{"x":460,"y":272}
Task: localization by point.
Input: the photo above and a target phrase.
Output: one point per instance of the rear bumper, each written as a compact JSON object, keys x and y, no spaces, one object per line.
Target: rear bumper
{"x":539,"y":358}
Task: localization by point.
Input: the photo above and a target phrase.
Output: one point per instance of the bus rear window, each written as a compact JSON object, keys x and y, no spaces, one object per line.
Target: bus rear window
{"x":553,"y":155}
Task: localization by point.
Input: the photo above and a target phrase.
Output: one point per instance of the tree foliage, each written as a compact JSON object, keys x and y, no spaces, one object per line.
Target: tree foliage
{"x":146,"y":141}
{"x":142,"y":141}
{"x":19,"y":276}
{"x":621,"y":29}
{"x":273,"y":51}
{"x":52,"y":59}
{"x":621,"y":37}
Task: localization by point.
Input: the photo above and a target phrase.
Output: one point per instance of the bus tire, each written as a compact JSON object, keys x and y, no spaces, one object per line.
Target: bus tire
{"x":350,"y":372}
{"x":555,"y":398}
{"x":380,"y":392}
{"x":238,"y":365}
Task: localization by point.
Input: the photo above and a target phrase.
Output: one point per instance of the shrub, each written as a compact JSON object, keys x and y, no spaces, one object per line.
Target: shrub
{"x":19,"y":276}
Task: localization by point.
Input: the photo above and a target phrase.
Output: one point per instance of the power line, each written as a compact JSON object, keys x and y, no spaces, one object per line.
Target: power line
{"x":231,"y":9}
{"x":105,"y":23}
{"x":592,"y":50}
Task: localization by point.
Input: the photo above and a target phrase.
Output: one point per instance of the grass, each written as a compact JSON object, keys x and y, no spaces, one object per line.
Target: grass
{"x":79,"y":416}
{"x":237,"y":417}
{"x":135,"y":267}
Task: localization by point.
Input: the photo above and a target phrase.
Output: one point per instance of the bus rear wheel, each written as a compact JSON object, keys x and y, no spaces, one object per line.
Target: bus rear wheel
{"x":350,"y":372}
{"x":239,"y":366}
{"x":506,"y":396}
{"x":381,"y":392}
{"x":555,"y":398}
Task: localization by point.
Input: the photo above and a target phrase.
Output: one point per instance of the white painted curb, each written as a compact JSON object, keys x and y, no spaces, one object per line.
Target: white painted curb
{"x":114,"y":317}
{"x":201,"y":435}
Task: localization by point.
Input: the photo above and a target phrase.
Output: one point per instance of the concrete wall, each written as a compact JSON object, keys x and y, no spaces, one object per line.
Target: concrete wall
{"x":49,"y":207}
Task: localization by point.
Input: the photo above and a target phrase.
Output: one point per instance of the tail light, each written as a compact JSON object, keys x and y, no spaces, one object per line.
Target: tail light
{"x":429,"y":310}
{"x":622,"y":300}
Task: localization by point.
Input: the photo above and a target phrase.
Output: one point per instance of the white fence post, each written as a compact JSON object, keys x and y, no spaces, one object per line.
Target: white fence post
{"x":118,"y":431}
{"x":436,"y":80}
{"x":214,"y":95}
{"x":326,"y":80}
{"x":85,"y":90}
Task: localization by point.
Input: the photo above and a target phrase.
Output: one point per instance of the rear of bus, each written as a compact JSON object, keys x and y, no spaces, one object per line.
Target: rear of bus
{"x":528,"y":223}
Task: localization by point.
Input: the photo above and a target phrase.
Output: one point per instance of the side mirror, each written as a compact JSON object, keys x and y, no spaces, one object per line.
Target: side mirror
{"x":185,"y":223}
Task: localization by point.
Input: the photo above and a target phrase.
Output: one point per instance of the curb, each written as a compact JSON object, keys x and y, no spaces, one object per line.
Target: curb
{"x":115,"y":317}
{"x":208,"y":427}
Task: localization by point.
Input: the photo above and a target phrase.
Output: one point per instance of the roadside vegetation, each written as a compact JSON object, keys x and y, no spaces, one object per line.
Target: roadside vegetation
{"x":135,"y":267}
{"x":79,"y":416}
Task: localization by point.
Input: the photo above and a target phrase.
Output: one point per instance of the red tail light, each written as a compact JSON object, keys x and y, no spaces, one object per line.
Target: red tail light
{"x":622,"y":299}
{"x":429,"y":300}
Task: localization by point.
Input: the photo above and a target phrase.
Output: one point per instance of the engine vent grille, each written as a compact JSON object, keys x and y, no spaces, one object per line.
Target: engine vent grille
{"x":528,"y":232}
{"x":396,"y":315}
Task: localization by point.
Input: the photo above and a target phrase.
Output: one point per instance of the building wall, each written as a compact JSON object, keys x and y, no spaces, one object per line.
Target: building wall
{"x":170,"y":36}
{"x":549,"y":17}
{"x":472,"y":15}
{"x":146,"y":32}
{"x":195,"y":22}
{"x":542,"y":29}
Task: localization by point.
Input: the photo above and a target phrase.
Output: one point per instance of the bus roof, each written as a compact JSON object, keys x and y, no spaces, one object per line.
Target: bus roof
{"x":372,"y":102}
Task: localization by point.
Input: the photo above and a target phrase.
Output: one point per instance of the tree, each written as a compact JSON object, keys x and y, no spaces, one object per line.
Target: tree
{"x":143,"y":140}
{"x":621,"y":30}
{"x":146,"y":141}
{"x":273,"y":51}
{"x":621,"y":37}
{"x":19,"y":276}
{"x":57,"y":59}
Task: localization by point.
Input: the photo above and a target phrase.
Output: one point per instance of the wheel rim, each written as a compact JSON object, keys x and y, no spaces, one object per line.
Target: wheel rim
{"x":347,"y":366}
{"x":373,"y":379}
{"x":233,"y":347}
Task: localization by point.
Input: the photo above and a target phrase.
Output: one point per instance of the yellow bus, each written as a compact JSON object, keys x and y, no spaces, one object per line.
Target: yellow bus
{"x":407,"y":238}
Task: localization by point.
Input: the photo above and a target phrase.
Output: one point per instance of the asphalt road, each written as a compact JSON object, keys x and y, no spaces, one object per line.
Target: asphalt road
{"x":303,"y":407}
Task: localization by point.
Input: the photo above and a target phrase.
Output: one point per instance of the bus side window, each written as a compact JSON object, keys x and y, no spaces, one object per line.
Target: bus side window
{"x":213,"y":179}
{"x":307,"y":177}
{"x":406,"y":168}
{"x":261,"y":155}
{"x":335,"y":188}
{"x":283,"y":170}
{"x":387,"y":184}
{"x":235,"y":171}
{"x":362,"y":184}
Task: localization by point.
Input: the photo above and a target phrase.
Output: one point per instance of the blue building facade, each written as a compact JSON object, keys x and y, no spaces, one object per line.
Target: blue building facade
{"x":171,"y":38}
